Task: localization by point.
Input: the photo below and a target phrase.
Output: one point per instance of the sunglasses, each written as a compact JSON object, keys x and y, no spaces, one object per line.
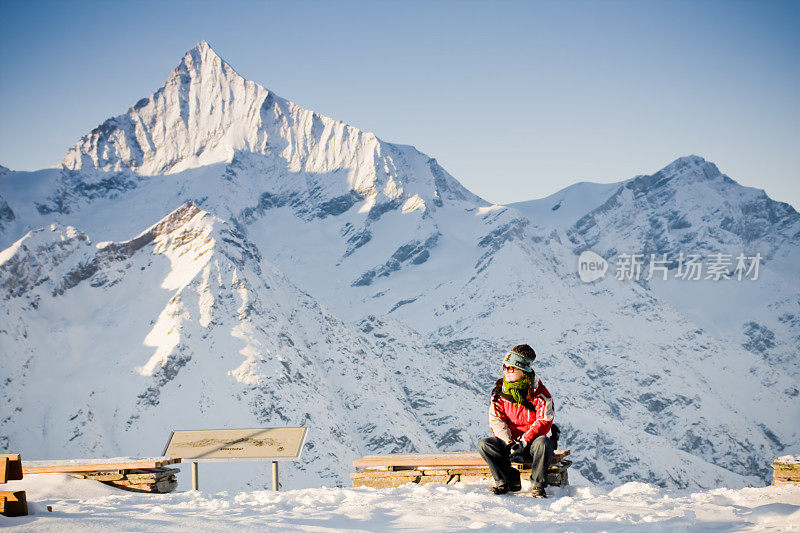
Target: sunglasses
{"x":510,"y":369}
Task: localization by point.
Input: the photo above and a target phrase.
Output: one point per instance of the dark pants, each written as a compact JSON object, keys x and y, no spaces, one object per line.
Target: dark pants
{"x":495,"y":452}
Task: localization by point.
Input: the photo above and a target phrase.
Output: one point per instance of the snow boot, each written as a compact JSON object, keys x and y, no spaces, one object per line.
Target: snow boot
{"x":503,"y":488}
{"x":538,"y":492}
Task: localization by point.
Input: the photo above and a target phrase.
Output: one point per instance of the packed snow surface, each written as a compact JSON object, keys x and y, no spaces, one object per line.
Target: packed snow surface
{"x":90,"y":506}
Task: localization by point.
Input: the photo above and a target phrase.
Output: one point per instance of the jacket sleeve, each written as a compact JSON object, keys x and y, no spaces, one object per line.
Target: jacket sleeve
{"x":497,"y":424}
{"x":545,"y":412}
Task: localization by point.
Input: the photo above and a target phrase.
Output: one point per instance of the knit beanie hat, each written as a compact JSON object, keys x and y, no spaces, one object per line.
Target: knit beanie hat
{"x":521,"y":357}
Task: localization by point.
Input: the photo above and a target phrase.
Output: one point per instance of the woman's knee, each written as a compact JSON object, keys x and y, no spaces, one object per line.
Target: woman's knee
{"x":488,"y":443}
{"x":541,"y":442}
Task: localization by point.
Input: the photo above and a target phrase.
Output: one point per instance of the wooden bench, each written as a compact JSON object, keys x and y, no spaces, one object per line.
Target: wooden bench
{"x":137,"y":475}
{"x":397,"y":469}
{"x":12,"y":503}
{"x":786,"y":470}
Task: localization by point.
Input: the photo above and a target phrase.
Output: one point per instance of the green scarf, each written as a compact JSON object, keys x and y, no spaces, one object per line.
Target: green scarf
{"x":517,"y":389}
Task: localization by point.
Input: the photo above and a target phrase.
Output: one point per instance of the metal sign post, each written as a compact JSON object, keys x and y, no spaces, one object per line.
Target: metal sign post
{"x":195,"y":483}
{"x":257,"y":444}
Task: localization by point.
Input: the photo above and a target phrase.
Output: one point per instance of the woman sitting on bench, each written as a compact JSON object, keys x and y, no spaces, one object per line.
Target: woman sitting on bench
{"x":520,"y":416}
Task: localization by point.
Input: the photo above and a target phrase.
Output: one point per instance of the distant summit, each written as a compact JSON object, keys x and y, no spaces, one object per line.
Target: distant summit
{"x":204,"y":112}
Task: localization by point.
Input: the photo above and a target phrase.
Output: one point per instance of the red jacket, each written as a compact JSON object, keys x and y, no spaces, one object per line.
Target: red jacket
{"x":529,"y":420}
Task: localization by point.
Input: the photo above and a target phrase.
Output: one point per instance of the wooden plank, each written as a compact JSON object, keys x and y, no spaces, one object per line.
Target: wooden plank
{"x":780,"y":472}
{"x":162,"y":470}
{"x":144,"y":478}
{"x":437,"y":472}
{"x":383,"y":474}
{"x":104,"y":476}
{"x":13,"y":503}
{"x":465,"y":478}
{"x":10,"y":467}
{"x":156,"y":474}
{"x":778,"y":482}
{"x":92,"y":465}
{"x":421,"y":459}
{"x":785,"y":467}
{"x":384,"y":483}
{"x":432,"y":460}
{"x":161,"y":487}
{"x":470,"y":471}
{"x":466,"y":470}
{"x":433,"y":479}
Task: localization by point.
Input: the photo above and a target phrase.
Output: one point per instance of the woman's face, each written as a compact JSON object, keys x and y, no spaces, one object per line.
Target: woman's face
{"x":512,"y":373}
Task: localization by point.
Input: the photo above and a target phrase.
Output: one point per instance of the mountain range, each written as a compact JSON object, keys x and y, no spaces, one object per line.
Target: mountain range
{"x":218,"y":256}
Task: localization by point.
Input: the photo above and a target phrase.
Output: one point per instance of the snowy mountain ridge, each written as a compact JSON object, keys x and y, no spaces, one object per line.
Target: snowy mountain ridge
{"x":669,"y":199}
{"x":177,"y":127}
{"x":205,"y":113}
{"x":290,"y":256}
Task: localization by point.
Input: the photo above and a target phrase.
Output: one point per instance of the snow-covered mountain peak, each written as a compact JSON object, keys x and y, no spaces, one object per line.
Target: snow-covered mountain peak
{"x":687,"y":205}
{"x":204,"y":67}
{"x":567,"y":206}
{"x":61,"y":257}
{"x":691,"y":160}
{"x":203,"y":52}
{"x":206,"y":113}
{"x":684,"y":171}
{"x":203,"y":113}
{"x":43,"y":257}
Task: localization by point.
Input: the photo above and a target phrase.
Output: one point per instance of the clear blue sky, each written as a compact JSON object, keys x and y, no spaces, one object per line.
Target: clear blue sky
{"x":515,"y":99}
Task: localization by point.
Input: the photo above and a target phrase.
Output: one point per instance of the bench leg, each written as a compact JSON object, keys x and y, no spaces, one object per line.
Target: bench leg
{"x":13,"y":503}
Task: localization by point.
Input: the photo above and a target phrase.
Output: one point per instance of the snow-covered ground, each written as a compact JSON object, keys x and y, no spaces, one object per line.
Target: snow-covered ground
{"x":83,"y":505}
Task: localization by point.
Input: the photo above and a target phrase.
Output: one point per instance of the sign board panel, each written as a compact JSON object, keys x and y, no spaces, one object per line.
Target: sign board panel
{"x":269,"y":444}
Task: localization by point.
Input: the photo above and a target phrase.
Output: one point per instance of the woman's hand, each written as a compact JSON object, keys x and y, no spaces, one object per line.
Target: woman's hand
{"x":515,"y":451}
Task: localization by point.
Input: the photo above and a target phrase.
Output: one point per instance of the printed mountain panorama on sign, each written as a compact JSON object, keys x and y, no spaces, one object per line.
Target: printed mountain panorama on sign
{"x":217,"y":256}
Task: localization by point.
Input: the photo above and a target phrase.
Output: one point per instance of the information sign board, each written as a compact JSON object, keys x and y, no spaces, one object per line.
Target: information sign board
{"x":270,"y":444}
